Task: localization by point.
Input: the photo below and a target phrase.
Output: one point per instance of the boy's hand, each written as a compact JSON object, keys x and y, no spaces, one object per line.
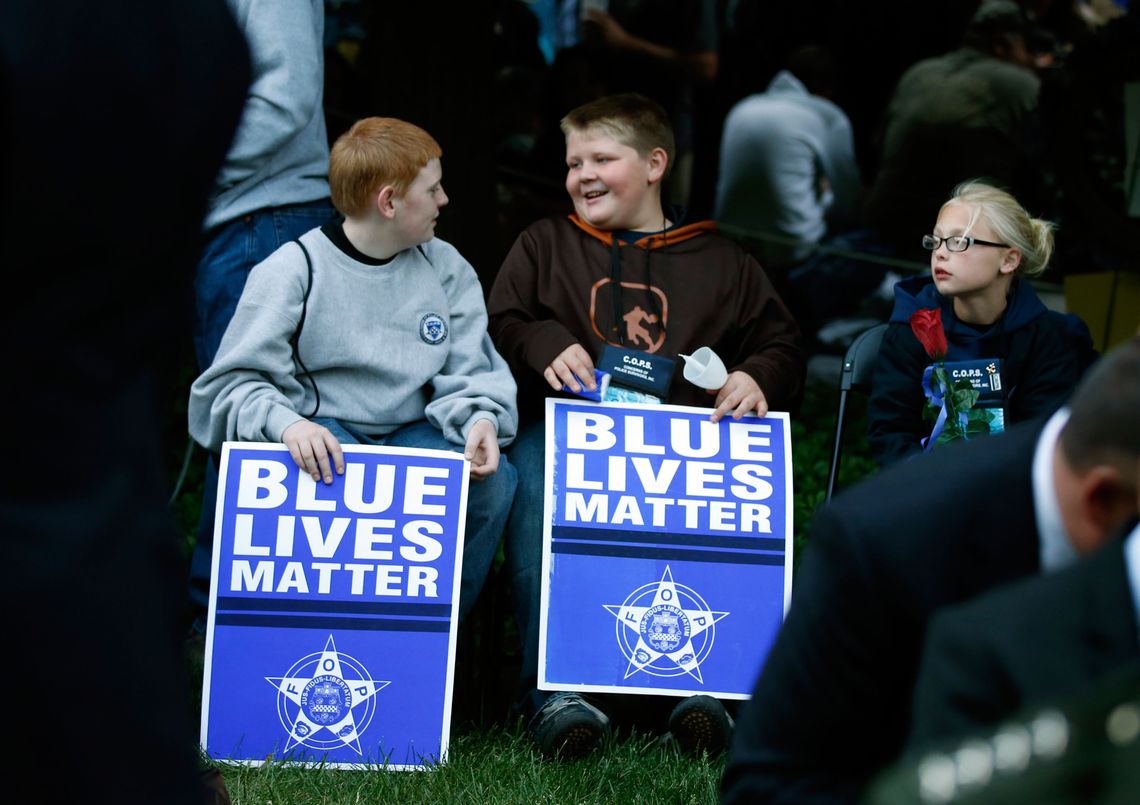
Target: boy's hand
{"x":741,"y":395}
{"x":574,"y":360}
{"x":311,"y":445}
{"x":482,"y":449}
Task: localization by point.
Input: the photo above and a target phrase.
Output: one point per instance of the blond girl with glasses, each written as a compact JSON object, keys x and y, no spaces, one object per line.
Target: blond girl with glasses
{"x":983,"y":247}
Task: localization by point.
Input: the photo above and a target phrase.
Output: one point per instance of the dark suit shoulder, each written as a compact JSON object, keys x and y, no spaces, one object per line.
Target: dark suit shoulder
{"x":1051,"y":607}
{"x":966,"y":502}
{"x":1027,"y":643}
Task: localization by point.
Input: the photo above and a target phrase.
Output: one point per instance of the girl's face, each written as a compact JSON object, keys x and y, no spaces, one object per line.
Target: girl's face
{"x":979,"y":270}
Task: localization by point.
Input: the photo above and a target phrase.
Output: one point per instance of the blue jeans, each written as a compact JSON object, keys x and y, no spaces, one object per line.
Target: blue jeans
{"x":488,"y":500}
{"x":827,"y":286}
{"x":523,"y":549}
{"x":231,"y":252}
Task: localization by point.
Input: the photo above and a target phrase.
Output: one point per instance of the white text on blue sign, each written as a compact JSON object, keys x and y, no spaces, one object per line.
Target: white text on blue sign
{"x":683,"y":476}
{"x":346,"y":547}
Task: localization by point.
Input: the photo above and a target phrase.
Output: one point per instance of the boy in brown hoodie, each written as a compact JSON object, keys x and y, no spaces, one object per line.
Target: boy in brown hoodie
{"x":625,"y":271}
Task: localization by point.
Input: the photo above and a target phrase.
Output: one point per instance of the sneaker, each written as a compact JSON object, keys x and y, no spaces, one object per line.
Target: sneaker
{"x":700,"y":724}
{"x":568,"y":726}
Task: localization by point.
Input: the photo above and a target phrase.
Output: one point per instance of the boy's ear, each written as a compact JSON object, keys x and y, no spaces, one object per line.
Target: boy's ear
{"x":658,"y":162}
{"x":385,"y":201}
{"x":1011,"y":261}
{"x":1107,"y":500}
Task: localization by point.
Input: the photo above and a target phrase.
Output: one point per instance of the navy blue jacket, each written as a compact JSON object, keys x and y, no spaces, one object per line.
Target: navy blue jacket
{"x":1043,"y":353}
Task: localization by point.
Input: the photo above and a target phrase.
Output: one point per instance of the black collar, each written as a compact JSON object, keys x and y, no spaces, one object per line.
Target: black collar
{"x":334,"y":231}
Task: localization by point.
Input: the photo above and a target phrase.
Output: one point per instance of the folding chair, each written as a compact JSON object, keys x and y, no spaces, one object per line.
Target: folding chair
{"x":858,"y":364}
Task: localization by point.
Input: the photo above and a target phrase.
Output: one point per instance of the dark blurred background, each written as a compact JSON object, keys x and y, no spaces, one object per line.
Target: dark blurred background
{"x":491,"y":78}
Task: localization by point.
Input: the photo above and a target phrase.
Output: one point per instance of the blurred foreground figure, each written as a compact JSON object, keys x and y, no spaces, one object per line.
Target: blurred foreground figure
{"x":1042,"y":640}
{"x":1031,"y":693}
{"x":832,"y":704}
{"x":1076,"y":750}
{"x":116,"y":118}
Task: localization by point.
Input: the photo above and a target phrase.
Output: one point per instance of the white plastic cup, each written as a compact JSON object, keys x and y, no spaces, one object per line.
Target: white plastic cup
{"x":704,"y":368}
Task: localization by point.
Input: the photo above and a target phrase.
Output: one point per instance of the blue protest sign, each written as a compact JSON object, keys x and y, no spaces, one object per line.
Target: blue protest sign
{"x":667,"y":558}
{"x":332,"y":622}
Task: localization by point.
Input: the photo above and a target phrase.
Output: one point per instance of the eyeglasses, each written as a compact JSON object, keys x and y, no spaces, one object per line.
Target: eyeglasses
{"x":957,"y":243}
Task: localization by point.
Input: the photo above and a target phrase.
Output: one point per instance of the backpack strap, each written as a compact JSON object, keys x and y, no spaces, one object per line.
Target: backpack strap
{"x":295,"y":340}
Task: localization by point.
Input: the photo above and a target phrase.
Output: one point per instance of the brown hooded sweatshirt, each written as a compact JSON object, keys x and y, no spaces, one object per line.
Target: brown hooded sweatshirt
{"x":680,"y":289}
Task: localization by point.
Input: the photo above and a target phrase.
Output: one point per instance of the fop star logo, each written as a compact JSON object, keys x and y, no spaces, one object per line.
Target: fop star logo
{"x":665,"y":629}
{"x":433,"y":329}
{"x":326,"y":700}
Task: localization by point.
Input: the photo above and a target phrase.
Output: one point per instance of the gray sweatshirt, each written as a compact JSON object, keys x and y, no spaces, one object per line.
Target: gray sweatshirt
{"x":386,"y":346}
{"x":280,"y":153}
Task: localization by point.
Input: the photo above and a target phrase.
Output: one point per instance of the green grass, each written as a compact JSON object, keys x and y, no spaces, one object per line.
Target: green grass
{"x":491,"y":766}
{"x":492,"y":760}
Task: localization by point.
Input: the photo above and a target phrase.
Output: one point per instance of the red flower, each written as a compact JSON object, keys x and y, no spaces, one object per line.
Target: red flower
{"x":927,"y":327}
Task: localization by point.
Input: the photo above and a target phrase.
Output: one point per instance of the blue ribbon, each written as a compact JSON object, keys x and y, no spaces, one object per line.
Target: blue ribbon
{"x":938,"y":397}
